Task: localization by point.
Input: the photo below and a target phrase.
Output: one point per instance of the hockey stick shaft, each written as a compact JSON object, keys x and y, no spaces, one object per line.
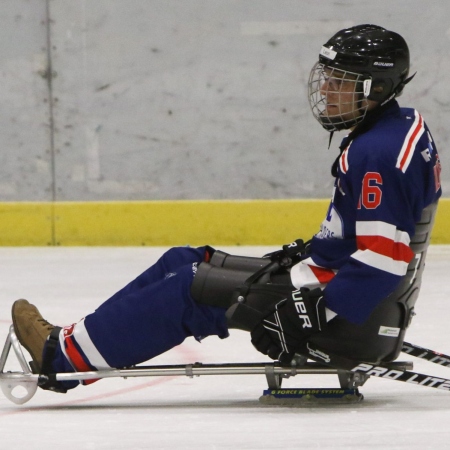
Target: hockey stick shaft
{"x":426,"y":354}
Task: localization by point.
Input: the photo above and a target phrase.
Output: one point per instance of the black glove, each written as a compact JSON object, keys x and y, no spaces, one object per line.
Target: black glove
{"x":289,"y":253}
{"x":286,"y":329}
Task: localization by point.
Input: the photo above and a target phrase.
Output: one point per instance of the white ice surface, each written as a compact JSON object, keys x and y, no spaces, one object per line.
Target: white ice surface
{"x":210,"y":412}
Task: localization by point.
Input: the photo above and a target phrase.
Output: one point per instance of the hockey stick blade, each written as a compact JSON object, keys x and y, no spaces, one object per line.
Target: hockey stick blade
{"x":426,"y":354}
{"x":406,"y":376}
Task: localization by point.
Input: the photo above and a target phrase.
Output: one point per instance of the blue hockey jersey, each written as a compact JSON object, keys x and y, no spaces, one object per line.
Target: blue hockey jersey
{"x":386,"y":177}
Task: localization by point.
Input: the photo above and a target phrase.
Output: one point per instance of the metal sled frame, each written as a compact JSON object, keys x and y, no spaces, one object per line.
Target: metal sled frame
{"x":274,"y":372}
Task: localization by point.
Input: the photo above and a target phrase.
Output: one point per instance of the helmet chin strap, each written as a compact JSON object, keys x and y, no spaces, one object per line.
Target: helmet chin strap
{"x":331,"y":138}
{"x":400,"y":87}
{"x":398,"y":90}
{"x":336,"y":124}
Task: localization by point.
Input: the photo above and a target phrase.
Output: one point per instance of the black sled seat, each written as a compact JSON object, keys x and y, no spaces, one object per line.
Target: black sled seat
{"x":380,"y":339}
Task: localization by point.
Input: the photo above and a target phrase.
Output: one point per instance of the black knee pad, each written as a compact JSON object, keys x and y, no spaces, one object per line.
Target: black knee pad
{"x":245,"y":263}
{"x":260,"y":300}
{"x":215,"y":285}
{"x":224,"y":287}
{"x":229,"y":280}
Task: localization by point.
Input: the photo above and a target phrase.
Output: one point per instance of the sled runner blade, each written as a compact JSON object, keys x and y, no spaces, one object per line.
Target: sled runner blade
{"x":309,"y":397}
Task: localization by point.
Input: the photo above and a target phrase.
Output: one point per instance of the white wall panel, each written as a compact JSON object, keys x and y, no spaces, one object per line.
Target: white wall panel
{"x":25,"y":150}
{"x":192,"y":99}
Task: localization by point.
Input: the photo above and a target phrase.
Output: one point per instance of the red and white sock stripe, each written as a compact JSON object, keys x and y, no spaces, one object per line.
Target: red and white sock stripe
{"x":74,"y":337}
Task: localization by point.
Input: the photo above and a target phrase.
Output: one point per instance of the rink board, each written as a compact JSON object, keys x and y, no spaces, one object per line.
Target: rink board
{"x":168,"y":223}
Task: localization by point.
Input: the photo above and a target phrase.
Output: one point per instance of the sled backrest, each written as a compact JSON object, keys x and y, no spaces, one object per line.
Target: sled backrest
{"x":409,"y":288}
{"x":407,"y":292}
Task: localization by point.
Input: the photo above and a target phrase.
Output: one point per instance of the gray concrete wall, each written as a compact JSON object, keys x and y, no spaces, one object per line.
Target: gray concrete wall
{"x":187,"y":99}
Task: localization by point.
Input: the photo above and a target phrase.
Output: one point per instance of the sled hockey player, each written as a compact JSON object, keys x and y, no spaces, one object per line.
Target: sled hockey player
{"x":348,"y":291}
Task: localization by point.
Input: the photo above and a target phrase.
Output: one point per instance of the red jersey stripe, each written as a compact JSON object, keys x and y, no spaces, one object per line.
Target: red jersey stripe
{"x":323,"y":275}
{"x":386,"y":247}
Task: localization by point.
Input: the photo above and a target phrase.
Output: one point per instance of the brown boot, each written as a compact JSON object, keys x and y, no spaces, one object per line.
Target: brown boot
{"x":31,"y":330}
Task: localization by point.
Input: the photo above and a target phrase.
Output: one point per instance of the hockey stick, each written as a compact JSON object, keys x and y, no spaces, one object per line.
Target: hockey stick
{"x":426,"y":354}
{"x":381,"y":370}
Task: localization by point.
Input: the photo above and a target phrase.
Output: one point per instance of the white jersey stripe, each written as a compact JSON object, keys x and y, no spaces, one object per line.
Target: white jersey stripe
{"x":89,"y":349}
{"x":379,"y":228}
{"x":381,"y":262}
{"x":303,"y":276}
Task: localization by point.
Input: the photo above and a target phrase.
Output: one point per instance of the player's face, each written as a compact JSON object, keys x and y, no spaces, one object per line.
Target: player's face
{"x":338,"y":98}
{"x":342,"y":99}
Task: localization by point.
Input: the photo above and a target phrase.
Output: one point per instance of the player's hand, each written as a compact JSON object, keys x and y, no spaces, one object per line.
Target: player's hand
{"x":289,"y":254}
{"x":284,"y":331}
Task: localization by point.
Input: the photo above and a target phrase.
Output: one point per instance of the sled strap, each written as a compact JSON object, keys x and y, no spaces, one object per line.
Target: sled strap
{"x":48,"y":381}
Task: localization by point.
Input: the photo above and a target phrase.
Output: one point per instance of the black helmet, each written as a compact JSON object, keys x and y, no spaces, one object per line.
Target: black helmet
{"x":375,"y":59}
{"x":373,"y":51}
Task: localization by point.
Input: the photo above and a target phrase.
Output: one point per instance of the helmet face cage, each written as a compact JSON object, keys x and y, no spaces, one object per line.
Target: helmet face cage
{"x":338,"y":98}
